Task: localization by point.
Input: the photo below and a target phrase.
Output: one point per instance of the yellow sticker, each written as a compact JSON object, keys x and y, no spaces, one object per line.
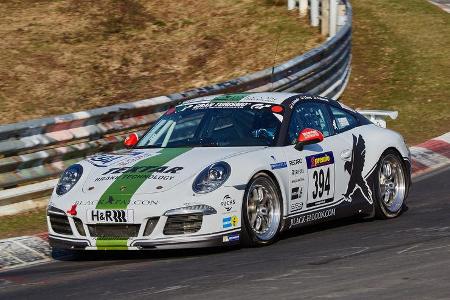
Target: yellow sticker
{"x":234,"y":221}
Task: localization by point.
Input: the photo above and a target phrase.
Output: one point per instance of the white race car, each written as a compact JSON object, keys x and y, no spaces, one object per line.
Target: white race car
{"x":228,"y":169}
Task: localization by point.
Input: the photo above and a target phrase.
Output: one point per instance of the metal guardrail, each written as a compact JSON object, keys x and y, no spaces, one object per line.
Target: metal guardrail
{"x":38,"y":150}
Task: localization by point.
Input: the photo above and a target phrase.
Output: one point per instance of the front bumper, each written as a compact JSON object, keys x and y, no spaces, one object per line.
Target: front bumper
{"x":224,"y":238}
{"x":198,"y":221}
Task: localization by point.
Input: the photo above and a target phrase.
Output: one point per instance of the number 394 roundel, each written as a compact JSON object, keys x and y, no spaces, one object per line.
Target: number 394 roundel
{"x":229,"y":169}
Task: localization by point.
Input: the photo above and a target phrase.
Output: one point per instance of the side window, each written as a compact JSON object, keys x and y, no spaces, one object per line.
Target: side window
{"x":308,"y":115}
{"x":342,"y":120}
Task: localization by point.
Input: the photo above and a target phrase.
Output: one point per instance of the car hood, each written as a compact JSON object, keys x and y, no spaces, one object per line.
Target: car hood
{"x":145,"y":171}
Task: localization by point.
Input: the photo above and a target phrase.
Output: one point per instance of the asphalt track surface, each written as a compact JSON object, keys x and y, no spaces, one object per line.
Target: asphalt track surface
{"x":407,"y":257}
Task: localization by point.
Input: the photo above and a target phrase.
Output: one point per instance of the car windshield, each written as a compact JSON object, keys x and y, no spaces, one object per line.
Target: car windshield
{"x":214,"y":125}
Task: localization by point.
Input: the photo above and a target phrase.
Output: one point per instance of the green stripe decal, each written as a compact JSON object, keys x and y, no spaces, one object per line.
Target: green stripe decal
{"x":110,"y":244}
{"x":230,"y":97}
{"x":119,"y":193}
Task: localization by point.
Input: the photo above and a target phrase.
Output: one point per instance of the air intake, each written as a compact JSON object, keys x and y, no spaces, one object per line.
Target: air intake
{"x":183,"y":224}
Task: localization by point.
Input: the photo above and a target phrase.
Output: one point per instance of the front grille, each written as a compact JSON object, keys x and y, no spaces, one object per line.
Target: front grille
{"x":183,"y":224}
{"x":60,"y":224}
{"x":114,"y":231}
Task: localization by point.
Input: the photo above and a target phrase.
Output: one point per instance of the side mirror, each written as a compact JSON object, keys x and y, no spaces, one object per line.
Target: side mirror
{"x":308,"y":136}
{"x":131,"y":140}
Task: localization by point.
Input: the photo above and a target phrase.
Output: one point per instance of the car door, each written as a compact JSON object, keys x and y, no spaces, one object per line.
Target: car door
{"x":356,"y":188}
{"x":314,"y":171}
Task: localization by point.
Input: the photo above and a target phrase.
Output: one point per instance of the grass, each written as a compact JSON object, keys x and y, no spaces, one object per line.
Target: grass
{"x":61,"y":56}
{"x":401,"y":61}
{"x":27,"y":223}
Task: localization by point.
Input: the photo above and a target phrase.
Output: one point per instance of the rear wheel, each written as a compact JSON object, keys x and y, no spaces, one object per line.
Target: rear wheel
{"x":391,"y":186}
{"x":261,"y":212}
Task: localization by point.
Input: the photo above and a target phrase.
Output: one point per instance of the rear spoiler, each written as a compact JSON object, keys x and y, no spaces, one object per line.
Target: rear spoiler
{"x":378,"y":116}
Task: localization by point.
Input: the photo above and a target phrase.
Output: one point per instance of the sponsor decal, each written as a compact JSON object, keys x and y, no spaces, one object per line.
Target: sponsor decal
{"x":117,"y":201}
{"x":319,"y":160}
{"x":146,"y":172}
{"x":291,"y":106}
{"x":229,"y":222}
{"x":110,"y":216}
{"x":313,"y":217}
{"x":260,"y":106}
{"x":343,"y":122}
{"x":145,"y":202}
{"x":305,"y":97}
{"x":85,"y":202}
{"x":355,"y":168}
{"x":296,"y":172}
{"x":280,"y":165}
{"x":296,"y":193}
{"x":231,"y":238}
{"x":296,"y":180}
{"x":317,"y":203}
{"x":296,"y":206}
{"x":144,"y":169}
{"x":237,"y":105}
{"x":130,"y":160}
{"x":134,"y":182}
{"x":228,"y":203}
{"x":295,"y":162}
{"x":106,"y":159}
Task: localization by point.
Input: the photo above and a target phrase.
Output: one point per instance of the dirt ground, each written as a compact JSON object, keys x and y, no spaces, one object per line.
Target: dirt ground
{"x":62,"y":56}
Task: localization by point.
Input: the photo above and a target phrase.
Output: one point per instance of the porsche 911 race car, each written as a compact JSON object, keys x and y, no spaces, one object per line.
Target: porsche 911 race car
{"x":228,"y":169}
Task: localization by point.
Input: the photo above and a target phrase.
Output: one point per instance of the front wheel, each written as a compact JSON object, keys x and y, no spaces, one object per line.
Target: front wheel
{"x":391,"y":186}
{"x":261,"y":212}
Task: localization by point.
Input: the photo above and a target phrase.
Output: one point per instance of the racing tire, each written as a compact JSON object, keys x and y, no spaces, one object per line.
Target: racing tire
{"x":262,"y":212}
{"x":391,"y":186}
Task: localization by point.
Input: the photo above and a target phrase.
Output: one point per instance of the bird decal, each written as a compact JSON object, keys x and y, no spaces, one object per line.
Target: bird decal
{"x":355,"y":168}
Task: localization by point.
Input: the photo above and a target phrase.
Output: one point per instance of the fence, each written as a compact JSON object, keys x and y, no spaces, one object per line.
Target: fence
{"x":35,"y":151}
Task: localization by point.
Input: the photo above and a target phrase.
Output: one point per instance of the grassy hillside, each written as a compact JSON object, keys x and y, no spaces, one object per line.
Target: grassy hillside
{"x":60,"y":56}
{"x":401,"y":61}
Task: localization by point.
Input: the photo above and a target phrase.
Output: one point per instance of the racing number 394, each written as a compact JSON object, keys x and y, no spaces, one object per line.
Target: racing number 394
{"x":321,"y":183}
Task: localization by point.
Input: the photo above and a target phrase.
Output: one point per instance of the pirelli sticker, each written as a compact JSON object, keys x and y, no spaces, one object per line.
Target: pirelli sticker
{"x":320,"y":160}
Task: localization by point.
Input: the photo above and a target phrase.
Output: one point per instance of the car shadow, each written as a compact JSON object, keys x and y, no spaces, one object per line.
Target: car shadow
{"x":112,"y":255}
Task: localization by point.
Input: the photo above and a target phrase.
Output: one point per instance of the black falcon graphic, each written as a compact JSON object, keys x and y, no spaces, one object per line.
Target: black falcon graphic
{"x":355,"y":168}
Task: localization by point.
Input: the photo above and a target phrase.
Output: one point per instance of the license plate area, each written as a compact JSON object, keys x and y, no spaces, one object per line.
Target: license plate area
{"x":110,"y":216}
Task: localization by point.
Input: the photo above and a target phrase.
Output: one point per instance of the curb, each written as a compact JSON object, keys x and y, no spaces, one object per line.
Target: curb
{"x":431,"y":155}
{"x":29,"y":250}
{"x":444,"y":6}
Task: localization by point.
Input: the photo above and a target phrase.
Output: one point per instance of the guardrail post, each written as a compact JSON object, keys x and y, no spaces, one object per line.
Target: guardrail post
{"x":333,"y":17}
{"x":314,"y":13}
{"x":292,"y":4}
{"x":303,"y":7}
{"x":342,"y":17}
{"x":325,"y":17}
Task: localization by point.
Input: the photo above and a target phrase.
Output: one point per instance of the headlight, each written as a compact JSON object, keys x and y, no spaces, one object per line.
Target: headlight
{"x":211,"y":178}
{"x":68,"y":179}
